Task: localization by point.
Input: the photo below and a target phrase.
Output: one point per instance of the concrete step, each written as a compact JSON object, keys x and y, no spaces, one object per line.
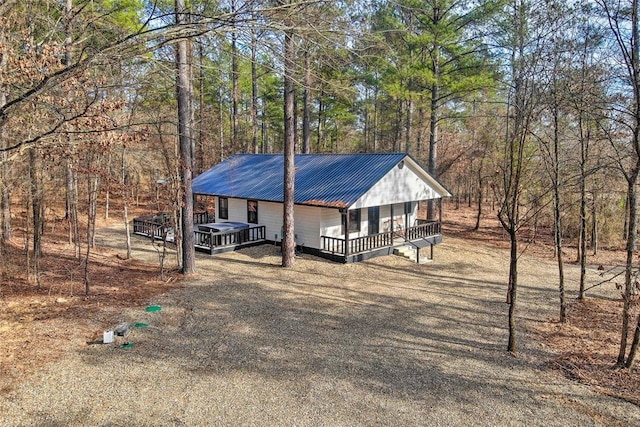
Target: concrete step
{"x":409,"y":252}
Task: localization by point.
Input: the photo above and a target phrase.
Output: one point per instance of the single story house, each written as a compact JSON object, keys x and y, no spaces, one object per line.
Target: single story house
{"x":348,"y":207}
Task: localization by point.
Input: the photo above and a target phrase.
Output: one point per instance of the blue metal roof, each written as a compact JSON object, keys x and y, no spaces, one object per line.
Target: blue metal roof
{"x":333,"y":180}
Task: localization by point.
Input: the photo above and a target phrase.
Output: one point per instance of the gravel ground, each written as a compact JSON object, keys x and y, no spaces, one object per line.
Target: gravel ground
{"x":383,"y":342}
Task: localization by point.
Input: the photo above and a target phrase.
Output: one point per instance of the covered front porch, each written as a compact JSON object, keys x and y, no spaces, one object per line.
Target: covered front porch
{"x":425,"y":234}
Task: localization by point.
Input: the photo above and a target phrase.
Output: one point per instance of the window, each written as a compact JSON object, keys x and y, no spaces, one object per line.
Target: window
{"x":354,"y":220}
{"x":374,"y":219}
{"x":408,"y":208}
{"x":223,"y":208}
{"x":252,"y":211}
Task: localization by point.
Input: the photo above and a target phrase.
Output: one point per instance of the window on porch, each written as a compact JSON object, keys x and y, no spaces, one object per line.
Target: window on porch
{"x":252,"y":211}
{"x":223,"y":208}
{"x":373,"y":214}
{"x":354,"y":220}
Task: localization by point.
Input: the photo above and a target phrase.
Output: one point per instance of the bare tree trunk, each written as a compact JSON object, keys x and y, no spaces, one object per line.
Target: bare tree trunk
{"x":92,"y":201}
{"x":557,"y":217}
{"x":627,"y":296}
{"x":37,"y":208}
{"x":6,"y":230}
{"x":288,"y":240}
{"x":184,"y":135}
{"x":479,"y":206}
{"x":27,"y":232}
{"x":108,"y":187}
{"x":235,"y":75}
{"x":409,"y":132}
{"x":5,"y":194}
{"x":375,"y":120}
{"x":199,"y":154}
{"x":634,"y":346}
{"x":125,"y":200}
{"x":582,"y":251}
{"x":306,"y":119}
{"x":512,"y":291}
{"x":254,"y":92}
{"x":433,"y":144}
{"x":594,"y":224}
{"x":221,"y":119}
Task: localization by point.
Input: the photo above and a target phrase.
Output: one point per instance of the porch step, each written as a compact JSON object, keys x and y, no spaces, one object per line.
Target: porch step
{"x":409,"y":252}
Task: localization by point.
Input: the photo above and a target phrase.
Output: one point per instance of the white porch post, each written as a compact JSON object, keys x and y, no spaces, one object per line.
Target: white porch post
{"x":345,"y":221}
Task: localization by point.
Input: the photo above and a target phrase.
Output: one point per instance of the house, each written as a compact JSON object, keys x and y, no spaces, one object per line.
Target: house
{"x":348,"y":207}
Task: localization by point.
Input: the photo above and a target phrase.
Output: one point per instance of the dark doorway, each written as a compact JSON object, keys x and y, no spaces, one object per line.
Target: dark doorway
{"x":374,"y":220}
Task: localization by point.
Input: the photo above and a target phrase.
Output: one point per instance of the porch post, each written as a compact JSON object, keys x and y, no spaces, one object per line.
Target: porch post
{"x":392,"y":223}
{"x":345,"y":222}
{"x":440,"y":210}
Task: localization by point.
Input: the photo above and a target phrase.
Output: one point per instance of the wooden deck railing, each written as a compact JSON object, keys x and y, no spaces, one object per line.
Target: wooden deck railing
{"x":424,"y":229}
{"x":368,"y":243}
{"x":336,"y":245}
{"x":149,"y":228}
{"x":203,"y":218}
{"x":217,"y":239}
{"x":158,"y":225}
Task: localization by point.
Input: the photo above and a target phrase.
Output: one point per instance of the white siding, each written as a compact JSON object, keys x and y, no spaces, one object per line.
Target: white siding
{"x":306,"y":220}
{"x":307,"y":225}
{"x":330,"y":222}
{"x":237,"y":211}
{"x":397,"y":186}
{"x":270,"y":215}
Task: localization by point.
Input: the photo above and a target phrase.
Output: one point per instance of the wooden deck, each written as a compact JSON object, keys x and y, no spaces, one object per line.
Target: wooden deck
{"x":214,"y":242}
{"x":158,"y":227}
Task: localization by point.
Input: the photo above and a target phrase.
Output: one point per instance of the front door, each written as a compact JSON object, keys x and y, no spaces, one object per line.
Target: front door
{"x":374,"y":220}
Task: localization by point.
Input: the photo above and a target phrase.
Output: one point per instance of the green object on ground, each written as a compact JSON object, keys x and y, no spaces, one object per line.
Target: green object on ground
{"x":141,"y":325}
{"x":127,"y":345}
{"x":152,"y":308}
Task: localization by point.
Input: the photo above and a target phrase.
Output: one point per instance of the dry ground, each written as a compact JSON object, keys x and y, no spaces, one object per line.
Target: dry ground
{"x":327,"y":333}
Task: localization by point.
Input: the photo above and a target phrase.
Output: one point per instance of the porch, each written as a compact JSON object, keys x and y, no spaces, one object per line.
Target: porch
{"x":209,"y":236}
{"x":424,"y":234}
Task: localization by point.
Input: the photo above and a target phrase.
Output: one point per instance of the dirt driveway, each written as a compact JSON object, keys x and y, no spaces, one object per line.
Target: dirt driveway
{"x":384,"y":342}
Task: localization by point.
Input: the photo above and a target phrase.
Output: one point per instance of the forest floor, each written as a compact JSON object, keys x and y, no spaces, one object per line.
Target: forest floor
{"x":41,"y":325}
{"x":588,"y":343}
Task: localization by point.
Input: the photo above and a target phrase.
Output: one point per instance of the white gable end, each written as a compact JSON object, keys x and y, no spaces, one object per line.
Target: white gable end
{"x":399,"y":185}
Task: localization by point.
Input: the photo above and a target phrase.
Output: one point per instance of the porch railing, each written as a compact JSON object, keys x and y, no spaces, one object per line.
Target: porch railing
{"x":218,"y":239}
{"x":149,"y":228}
{"x":158,"y":225}
{"x":424,"y":229}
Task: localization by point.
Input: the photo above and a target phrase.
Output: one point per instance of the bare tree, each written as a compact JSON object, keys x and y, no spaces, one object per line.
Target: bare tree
{"x":622,"y":18}
{"x":515,"y":169}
